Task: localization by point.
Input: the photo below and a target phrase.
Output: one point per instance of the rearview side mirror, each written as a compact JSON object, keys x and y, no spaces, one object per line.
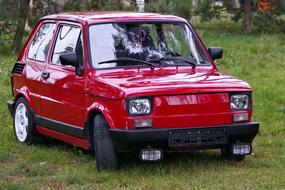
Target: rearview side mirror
{"x":69,"y":59}
{"x":215,"y":52}
{"x":72,"y":59}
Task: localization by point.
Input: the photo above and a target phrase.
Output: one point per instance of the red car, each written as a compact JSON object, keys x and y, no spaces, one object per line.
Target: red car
{"x":128,"y":82}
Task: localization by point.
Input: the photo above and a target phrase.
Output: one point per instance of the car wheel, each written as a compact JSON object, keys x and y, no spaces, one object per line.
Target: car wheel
{"x":227,"y":154}
{"x":106,"y":157}
{"x":23,"y":122}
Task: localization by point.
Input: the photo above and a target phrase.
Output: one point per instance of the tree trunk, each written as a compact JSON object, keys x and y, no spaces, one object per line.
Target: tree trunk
{"x":27,"y":26}
{"x":247,"y":16}
{"x":20,"y":29}
{"x":88,"y":5}
{"x":140,"y":5}
{"x":118,"y":3}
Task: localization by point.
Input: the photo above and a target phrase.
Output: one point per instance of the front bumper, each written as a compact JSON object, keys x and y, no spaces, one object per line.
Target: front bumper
{"x":211,"y":137}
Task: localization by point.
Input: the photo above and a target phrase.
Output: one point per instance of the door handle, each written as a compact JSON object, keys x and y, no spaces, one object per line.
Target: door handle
{"x":45,"y":75}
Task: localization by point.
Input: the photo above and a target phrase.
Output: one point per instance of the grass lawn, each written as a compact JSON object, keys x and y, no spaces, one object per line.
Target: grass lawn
{"x":259,"y":59}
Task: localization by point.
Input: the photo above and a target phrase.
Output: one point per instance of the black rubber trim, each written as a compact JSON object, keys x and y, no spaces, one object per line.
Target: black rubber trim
{"x":10,"y":105}
{"x":132,"y":139}
{"x":11,"y":84}
{"x":60,"y":127}
{"x":243,"y":129}
{"x":249,"y":130}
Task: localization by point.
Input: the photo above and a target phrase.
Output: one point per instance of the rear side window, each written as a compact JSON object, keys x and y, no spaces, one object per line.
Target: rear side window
{"x":40,"y":45}
{"x":66,"y":41}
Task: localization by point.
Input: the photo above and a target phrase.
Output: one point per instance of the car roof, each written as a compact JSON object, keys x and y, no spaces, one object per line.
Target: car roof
{"x":107,"y":16}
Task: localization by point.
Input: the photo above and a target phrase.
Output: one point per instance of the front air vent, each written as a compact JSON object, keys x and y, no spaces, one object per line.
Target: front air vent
{"x":18,"y":68}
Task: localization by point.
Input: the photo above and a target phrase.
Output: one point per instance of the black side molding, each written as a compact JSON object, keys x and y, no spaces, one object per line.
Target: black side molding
{"x":52,"y":124}
{"x":60,"y":127}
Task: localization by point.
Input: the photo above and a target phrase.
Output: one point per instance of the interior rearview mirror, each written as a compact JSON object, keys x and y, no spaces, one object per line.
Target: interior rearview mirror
{"x":216,"y":52}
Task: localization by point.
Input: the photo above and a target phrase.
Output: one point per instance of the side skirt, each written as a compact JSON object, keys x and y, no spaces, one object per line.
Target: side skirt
{"x":78,"y":142}
{"x":60,"y":127}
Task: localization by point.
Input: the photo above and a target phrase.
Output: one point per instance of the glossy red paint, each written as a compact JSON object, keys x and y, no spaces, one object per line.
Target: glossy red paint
{"x":163,"y":80}
{"x":107,"y":16}
{"x":193,"y":96}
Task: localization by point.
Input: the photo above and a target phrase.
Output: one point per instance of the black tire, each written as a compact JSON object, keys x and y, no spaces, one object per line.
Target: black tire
{"x":32,"y":135}
{"x":227,"y":154}
{"x":106,"y":157}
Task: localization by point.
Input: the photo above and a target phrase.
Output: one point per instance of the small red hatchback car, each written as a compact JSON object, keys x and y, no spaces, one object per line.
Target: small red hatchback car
{"x":128,"y":82}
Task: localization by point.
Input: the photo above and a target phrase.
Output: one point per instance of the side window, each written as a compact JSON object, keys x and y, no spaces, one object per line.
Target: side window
{"x":66,"y":42}
{"x":40,"y":45}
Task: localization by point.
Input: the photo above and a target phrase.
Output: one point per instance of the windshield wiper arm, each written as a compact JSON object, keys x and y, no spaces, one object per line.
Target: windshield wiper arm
{"x":174,"y":58}
{"x":132,"y":60}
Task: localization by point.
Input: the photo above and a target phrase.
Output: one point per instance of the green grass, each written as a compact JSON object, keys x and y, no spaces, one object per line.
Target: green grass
{"x":259,"y":59}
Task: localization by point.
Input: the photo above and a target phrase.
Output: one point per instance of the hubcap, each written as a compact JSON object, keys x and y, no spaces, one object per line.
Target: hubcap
{"x":21,"y":122}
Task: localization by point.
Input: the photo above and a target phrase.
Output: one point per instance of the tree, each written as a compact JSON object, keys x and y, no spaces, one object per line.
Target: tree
{"x":22,"y":16}
{"x":268,"y":16}
{"x":265,"y":15}
{"x":177,"y":7}
{"x":247,"y":18}
{"x":41,"y":8}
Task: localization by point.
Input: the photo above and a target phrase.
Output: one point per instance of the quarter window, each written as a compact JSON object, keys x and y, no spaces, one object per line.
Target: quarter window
{"x":40,"y":45}
{"x":66,"y":42}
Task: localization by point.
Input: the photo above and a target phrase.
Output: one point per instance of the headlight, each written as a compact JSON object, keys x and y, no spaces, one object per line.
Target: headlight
{"x":141,"y":106}
{"x":240,"y":102}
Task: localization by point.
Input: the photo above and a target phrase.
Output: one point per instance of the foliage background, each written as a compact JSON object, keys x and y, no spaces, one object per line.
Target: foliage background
{"x":15,"y":24}
{"x":256,"y":57}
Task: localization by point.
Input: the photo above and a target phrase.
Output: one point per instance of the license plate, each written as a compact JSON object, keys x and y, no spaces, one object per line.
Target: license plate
{"x":198,"y":137}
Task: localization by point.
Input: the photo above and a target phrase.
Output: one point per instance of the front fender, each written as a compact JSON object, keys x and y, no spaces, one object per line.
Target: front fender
{"x":102,"y":108}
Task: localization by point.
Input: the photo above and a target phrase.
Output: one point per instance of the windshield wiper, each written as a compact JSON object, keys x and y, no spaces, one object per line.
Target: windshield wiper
{"x":132,"y":60}
{"x":174,"y":58}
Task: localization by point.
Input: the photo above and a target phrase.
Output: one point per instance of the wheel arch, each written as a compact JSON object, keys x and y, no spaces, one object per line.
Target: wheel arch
{"x":30,"y":109}
{"x":25,"y":93}
{"x":96,"y":109}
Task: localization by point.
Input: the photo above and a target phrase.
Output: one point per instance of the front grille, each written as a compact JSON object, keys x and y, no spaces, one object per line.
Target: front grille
{"x":18,"y":68}
{"x":198,"y":137}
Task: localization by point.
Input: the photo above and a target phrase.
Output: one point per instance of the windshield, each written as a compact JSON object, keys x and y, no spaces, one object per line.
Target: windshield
{"x":154,"y":42}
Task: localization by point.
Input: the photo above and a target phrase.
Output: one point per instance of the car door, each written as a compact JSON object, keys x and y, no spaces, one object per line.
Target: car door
{"x":36,"y":59}
{"x":63,"y":99}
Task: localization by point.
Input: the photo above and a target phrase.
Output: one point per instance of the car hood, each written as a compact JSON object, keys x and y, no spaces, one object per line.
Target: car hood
{"x":121,"y":84}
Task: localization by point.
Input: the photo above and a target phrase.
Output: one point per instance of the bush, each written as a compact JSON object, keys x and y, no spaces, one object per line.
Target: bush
{"x":180,"y":8}
{"x":5,"y":43}
{"x":268,"y":23}
{"x":271,"y":21}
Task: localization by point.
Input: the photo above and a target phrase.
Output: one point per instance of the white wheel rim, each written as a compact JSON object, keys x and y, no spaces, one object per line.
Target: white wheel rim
{"x":21,"y":122}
